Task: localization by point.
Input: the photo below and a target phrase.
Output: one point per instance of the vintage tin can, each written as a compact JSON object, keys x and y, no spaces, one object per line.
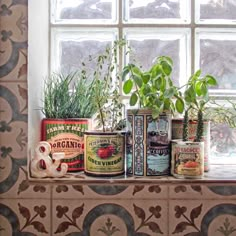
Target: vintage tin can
{"x":67,"y":135}
{"x":187,"y":159}
{"x":104,"y":153}
{"x":147,"y":143}
{"x":177,"y":130}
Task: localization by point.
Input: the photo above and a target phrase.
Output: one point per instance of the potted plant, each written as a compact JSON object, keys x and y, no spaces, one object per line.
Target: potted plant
{"x":189,"y":154}
{"x":68,"y":106}
{"x":105,"y":146}
{"x":149,"y":126}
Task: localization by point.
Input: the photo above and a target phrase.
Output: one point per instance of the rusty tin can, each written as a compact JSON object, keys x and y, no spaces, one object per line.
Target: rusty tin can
{"x":104,"y":153}
{"x":187,"y":159}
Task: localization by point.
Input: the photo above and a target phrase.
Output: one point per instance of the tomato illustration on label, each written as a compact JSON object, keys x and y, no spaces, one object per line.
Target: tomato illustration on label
{"x":106,"y":151}
{"x":191,"y":164}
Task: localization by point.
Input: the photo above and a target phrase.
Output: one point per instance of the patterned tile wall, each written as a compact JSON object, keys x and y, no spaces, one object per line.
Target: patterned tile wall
{"x":62,"y":209}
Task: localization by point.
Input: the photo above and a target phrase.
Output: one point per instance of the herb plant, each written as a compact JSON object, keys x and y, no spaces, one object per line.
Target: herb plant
{"x":196,"y":97}
{"x":154,"y":88}
{"x":68,"y":96}
{"x":105,"y":86}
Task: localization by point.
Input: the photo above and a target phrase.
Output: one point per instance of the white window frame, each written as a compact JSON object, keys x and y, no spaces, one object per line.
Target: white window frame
{"x":39,"y":60}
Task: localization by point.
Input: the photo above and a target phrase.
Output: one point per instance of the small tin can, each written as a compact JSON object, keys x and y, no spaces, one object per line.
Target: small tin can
{"x":177,"y":133}
{"x":104,"y":153}
{"x":187,"y":159}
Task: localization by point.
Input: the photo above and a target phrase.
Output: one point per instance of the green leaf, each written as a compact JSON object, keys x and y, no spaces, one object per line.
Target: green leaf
{"x":138,"y":80}
{"x":169,"y":92}
{"x":163,"y":84}
{"x":145,"y":77}
{"x":199,"y":88}
{"x":179,"y":104}
{"x":166,"y":67}
{"x":204,"y":89}
{"x":198,"y":73}
{"x":156,"y":71}
{"x":128,"y":85}
{"x":125,"y":72}
{"x":146,"y":89}
{"x":155,"y":113}
{"x":133,"y":99}
{"x":211,"y":80}
{"x":136,"y":70}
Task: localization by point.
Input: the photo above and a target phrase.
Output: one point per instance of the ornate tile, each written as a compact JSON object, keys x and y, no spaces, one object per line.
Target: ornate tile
{"x":199,"y":218}
{"x":25,"y":217}
{"x":97,"y":217}
{"x":202,"y":191}
{"x":110,"y":191}
{"x":17,"y":185}
{"x":13,"y":46}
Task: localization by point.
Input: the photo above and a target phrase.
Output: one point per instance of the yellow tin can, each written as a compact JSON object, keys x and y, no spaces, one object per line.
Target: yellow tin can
{"x":104,"y":153}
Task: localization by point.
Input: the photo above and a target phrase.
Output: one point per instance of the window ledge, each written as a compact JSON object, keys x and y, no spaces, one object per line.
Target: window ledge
{"x":216,"y":174}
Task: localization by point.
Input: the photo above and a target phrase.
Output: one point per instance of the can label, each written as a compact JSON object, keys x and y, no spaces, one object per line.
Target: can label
{"x":67,"y":136}
{"x":104,"y":155}
{"x":158,"y":161}
{"x":187,"y":159}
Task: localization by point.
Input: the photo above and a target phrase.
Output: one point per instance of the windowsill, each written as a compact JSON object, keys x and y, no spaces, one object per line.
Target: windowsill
{"x":216,"y":174}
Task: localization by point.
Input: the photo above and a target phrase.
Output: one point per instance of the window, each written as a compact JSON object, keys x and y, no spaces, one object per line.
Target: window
{"x":195,"y":34}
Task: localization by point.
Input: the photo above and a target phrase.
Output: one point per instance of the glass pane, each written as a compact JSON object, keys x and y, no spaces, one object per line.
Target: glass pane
{"x":83,"y":11}
{"x":152,"y":43}
{"x":157,"y":11}
{"x":72,"y":47}
{"x":216,"y":11}
{"x":223,"y":144}
{"x":216,"y":55}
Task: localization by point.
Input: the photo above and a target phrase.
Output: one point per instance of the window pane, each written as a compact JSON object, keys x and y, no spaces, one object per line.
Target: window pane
{"x":81,"y":11}
{"x":216,"y":11}
{"x":223,"y":144}
{"x":72,"y":47}
{"x":216,"y":55}
{"x":157,"y":11}
{"x":152,"y":43}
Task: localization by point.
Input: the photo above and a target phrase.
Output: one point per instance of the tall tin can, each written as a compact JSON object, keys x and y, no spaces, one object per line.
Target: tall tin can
{"x":187,"y":159}
{"x":177,"y":130}
{"x":147,"y":143}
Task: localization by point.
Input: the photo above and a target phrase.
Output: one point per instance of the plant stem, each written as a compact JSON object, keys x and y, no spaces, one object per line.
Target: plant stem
{"x":185,"y":126}
{"x":199,"y":133}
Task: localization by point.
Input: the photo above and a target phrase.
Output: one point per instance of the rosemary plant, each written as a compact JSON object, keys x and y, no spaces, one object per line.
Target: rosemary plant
{"x":68,"y":96}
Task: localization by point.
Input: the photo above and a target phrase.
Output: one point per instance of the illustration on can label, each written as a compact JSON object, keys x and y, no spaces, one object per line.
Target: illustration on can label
{"x":188,"y":160}
{"x":158,"y":159}
{"x":104,"y":155}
